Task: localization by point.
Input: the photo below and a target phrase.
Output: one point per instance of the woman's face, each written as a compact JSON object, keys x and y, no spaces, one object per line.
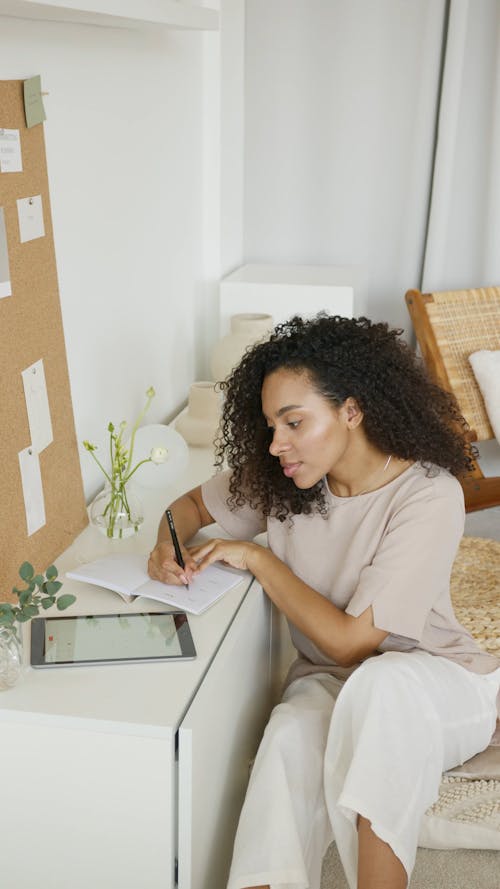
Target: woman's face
{"x":310,"y":435}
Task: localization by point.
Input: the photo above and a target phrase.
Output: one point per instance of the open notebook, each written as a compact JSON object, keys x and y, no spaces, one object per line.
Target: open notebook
{"x":126,"y":574}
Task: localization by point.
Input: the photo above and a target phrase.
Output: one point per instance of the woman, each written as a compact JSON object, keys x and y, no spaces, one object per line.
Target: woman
{"x":340,"y":446}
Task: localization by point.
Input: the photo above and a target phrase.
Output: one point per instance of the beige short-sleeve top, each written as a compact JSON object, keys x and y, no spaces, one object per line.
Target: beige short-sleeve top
{"x":392,"y":548}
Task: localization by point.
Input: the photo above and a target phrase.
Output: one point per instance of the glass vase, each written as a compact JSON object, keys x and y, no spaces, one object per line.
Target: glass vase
{"x":117,"y":511}
{"x":11,"y":656}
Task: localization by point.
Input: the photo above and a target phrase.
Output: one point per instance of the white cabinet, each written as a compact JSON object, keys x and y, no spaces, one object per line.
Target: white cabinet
{"x":86,"y":806}
{"x":92,"y":771}
{"x":218,"y":738}
{"x":92,"y":792}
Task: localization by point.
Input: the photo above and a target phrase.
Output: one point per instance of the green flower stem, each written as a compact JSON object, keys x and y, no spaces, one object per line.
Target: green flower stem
{"x":146,"y":460}
{"x":150,"y":395}
{"x":111,"y":450}
{"x":118,"y":498}
{"x":125,"y":502}
{"x":121,"y":468}
{"x":101,"y":467}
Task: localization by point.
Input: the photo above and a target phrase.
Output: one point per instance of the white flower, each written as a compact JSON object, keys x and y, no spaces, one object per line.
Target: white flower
{"x":158,"y":455}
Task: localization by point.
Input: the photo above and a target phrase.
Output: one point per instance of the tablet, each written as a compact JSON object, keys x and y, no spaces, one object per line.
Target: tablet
{"x":111,"y":639}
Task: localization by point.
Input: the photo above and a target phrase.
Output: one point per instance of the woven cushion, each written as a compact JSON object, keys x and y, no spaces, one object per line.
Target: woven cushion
{"x":465,"y":321}
{"x":466,"y":814}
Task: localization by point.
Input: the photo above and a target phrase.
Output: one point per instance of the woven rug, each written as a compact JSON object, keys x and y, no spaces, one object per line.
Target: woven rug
{"x":467,"y":811}
{"x":475,"y":590}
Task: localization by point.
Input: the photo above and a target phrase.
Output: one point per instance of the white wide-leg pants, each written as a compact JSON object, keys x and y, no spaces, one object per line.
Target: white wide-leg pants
{"x":376,"y":746}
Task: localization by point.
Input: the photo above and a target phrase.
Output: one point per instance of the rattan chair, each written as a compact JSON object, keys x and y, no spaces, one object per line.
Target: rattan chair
{"x":449,"y":326}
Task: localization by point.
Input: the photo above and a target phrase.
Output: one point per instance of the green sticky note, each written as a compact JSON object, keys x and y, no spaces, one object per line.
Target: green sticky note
{"x":33,"y":105}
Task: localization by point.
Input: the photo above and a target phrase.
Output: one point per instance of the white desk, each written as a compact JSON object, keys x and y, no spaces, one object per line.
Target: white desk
{"x":132,"y":776}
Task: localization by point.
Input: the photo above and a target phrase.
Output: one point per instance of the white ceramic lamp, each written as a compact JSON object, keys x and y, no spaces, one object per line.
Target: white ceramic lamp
{"x":151,"y":475}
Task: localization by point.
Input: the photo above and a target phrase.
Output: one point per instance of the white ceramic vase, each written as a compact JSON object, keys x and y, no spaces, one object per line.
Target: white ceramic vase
{"x":198,"y":425}
{"x":246,"y":329}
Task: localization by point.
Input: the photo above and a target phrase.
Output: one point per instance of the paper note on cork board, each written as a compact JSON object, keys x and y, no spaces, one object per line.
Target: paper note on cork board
{"x":42,"y":507}
{"x":31,"y":479}
{"x":10,"y":151}
{"x":5,"y":288}
{"x":30,"y":215}
{"x":37,"y":406}
{"x":33,"y":102}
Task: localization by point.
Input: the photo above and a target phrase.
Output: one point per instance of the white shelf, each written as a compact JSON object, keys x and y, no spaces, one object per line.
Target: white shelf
{"x":286,"y":290}
{"x":297,"y":275}
{"x":115,"y":13}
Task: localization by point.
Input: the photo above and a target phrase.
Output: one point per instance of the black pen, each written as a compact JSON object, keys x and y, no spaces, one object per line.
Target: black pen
{"x":175,"y":541}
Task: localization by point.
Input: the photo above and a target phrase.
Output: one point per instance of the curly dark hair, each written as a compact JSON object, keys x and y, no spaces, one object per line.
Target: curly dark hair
{"x":405,"y":413}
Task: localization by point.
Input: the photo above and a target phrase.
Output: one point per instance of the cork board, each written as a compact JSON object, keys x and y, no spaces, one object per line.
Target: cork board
{"x":31,"y":331}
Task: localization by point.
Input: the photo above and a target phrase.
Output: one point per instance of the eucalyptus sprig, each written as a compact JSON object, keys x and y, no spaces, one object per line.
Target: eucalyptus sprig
{"x":41,"y":592}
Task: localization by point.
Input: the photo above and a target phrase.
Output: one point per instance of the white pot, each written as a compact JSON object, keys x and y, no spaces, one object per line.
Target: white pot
{"x":246,"y":330}
{"x":199,"y":424}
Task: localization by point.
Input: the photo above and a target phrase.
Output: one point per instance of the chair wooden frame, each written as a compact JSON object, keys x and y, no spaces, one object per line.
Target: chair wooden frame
{"x":449,"y":326}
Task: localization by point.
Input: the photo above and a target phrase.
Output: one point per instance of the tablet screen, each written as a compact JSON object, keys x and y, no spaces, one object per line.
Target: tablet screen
{"x":110,"y":638}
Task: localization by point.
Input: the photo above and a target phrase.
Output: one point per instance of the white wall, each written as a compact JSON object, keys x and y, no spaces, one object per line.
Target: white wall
{"x":232,"y":133}
{"x":324,"y":140}
{"x":464,"y":231}
{"x":124,"y":151}
{"x":339,"y":128}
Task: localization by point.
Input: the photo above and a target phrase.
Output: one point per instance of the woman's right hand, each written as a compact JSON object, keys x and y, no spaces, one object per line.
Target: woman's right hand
{"x":163,"y":567}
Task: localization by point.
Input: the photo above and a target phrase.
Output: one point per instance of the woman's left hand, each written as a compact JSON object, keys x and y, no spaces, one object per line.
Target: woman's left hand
{"x":236,"y":553}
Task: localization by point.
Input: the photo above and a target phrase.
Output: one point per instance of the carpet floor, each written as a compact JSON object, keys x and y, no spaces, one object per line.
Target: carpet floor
{"x":457,"y":869}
